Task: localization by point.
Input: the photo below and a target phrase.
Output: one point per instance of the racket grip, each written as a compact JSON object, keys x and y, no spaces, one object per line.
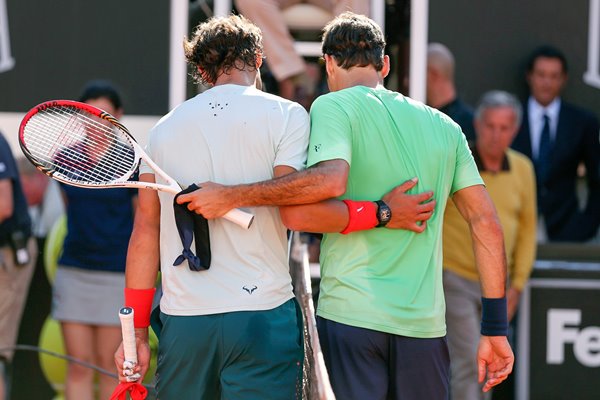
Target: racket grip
{"x":128,"y":332}
{"x":240,"y":217}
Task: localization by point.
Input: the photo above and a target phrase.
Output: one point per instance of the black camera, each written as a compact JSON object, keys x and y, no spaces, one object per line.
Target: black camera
{"x":18,"y":242}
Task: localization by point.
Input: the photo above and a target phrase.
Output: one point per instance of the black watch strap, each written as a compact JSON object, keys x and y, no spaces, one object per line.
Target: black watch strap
{"x":384,"y":213}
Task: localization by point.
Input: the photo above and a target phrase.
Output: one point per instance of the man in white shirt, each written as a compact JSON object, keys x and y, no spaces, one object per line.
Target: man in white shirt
{"x":234,"y":330}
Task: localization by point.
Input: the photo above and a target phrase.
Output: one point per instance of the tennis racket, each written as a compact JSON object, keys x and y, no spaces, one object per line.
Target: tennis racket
{"x":129,"y":343}
{"x":81,"y":145}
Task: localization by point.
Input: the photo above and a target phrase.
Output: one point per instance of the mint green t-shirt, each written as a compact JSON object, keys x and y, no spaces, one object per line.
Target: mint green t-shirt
{"x":388,"y":280}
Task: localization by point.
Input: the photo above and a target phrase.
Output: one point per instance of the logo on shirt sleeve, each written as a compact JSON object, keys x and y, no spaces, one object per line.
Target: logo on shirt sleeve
{"x":317,"y":147}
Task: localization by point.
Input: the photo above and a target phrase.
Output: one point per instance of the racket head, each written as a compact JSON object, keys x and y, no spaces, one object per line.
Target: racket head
{"x":78,"y":144}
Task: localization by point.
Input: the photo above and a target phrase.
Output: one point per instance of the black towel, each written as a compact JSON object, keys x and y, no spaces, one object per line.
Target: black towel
{"x":192,"y":226}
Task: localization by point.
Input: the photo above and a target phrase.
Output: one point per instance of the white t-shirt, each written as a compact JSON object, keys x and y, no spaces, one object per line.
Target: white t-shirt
{"x":229,"y":134}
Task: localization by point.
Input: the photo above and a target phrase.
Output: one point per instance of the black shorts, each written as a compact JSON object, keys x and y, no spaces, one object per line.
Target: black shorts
{"x":367,"y":364}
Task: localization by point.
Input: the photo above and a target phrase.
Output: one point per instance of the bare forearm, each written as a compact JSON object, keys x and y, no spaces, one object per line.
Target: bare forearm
{"x":408,"y":212}
{"x":309,"y":186}
{"x":325,"y":217}
{"x":324,"y":181}
{"x":143,"y":252}
{"x":142,"y":258}
{"x":477,"y":208}
{"x":488,"y":246}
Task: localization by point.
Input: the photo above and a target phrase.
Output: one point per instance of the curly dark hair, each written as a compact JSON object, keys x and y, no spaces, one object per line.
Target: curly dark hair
{"x":220,"y":44}
{"x":354,"y":40}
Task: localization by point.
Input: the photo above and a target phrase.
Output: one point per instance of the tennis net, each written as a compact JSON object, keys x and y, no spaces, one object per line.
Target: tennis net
{"x":315,"y":380}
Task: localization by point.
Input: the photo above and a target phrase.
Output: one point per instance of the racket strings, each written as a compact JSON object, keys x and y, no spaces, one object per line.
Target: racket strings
{"x":77,"y":163}
{"x":65,"y":157}
{"x":71,"y":122}
{"x":78,"y":145}
{"x":104,"y":136}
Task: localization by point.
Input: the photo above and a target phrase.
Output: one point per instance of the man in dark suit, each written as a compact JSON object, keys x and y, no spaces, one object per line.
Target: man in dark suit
{"x":441,"y":89}
{"x":559,"y":137}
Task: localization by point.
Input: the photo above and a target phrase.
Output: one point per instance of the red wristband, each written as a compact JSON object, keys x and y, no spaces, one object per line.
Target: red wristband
{"x":363,"y":215}
{"x":141,"y":302}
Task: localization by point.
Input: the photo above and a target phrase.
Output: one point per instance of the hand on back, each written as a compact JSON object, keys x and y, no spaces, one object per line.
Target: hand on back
{"x":409,"y":211}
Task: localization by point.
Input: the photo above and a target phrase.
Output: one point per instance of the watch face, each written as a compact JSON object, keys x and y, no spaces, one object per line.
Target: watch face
{"x":385,"y":214}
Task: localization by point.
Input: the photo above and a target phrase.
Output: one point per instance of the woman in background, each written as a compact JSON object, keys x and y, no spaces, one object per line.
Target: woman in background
{"x":88,"y":289}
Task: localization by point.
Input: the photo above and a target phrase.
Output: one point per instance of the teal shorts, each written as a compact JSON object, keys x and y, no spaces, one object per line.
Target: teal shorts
{"x":241,"y":355}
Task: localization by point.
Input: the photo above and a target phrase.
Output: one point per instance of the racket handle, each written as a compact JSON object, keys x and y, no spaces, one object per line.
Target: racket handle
{"x":128,"y":332}
{"x":240,"y":217}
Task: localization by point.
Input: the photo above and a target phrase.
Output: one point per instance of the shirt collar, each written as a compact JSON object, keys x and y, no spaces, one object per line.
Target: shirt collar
{"x":536,"y":110}
{"x":505,"y":164}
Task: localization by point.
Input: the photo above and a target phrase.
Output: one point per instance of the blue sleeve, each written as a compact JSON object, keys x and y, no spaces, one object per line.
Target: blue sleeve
{"x":7,"y":162}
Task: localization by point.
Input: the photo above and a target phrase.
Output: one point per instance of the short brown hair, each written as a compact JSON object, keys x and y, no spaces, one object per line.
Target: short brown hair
{"x":354,"y":40}
{"x":220,"y":44}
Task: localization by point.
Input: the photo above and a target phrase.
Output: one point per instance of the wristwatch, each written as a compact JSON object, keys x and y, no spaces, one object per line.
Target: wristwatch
{"x":384,"y":213}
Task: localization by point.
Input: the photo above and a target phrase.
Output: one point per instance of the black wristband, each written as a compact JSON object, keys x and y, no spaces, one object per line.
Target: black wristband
{"x":494,"y":317}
